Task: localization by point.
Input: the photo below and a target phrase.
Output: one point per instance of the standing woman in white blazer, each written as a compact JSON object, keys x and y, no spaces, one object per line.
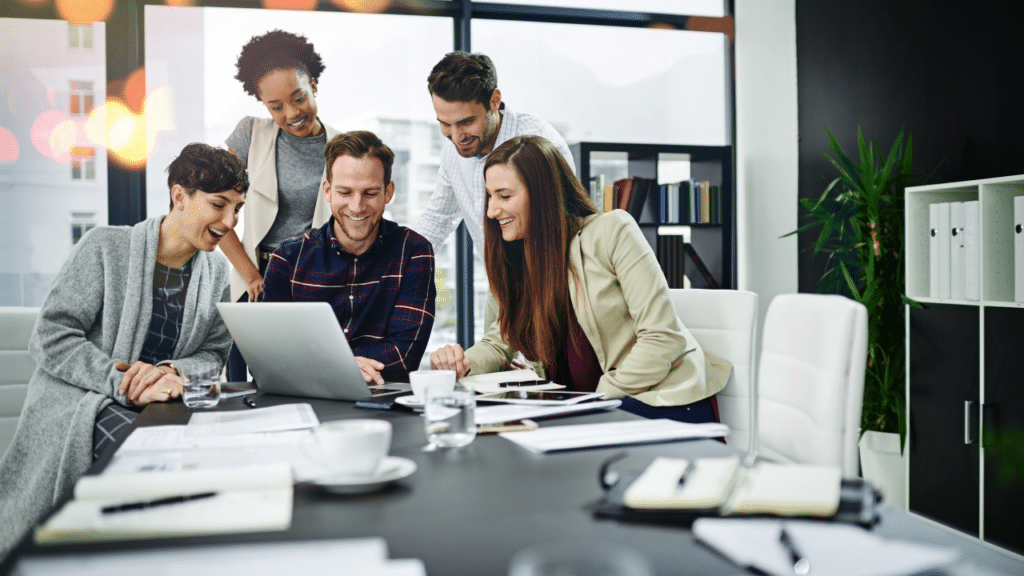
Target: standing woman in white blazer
{"x":285,"y":158}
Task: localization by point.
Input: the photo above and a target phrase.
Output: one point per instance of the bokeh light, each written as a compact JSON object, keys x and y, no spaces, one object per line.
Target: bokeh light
{"x":363,"y":5}
{"x":43,"y":128}
{"x":84,"y":11}
{"x":9,"y":149}
{"x":290,"y":4}
{"x":62,"y":139}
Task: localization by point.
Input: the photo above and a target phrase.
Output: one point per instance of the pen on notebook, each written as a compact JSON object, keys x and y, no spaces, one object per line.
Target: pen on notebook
{"x":686,"y":472}
{"x":248,"y":401}
{"x":801,"y":565}
{"x":154,"y":503}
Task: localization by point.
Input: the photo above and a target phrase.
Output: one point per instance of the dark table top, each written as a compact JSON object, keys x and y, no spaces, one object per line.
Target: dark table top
{"x":468,"y":510}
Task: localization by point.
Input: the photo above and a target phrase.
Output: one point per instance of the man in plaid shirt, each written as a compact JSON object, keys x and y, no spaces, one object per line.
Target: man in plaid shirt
{"x":378,"y":276}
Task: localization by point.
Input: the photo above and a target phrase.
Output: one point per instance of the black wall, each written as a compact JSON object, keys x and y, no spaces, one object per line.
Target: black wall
{"x":951,"y":72}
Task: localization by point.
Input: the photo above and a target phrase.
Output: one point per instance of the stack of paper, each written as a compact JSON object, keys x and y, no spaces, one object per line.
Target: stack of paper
{"x":354,"y":557}
{"x":487,"y":415}
{"x":257,"y":498}
{"x":836,"y":549}
{"x":556,"y":438}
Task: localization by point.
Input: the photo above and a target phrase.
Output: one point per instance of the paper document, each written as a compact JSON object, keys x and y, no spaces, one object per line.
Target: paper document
{"x":155,"y":449}
{"x":351,"y":557}
{"x":487,"y":415}
{"x":257,"y":498}
{"x":491,"y":382}
{"x":836,"y":549}
{"x":271,"y":419}
{"x":555,"y":438}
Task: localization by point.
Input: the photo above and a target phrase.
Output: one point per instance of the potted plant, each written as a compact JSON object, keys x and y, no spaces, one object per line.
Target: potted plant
{"x":860,"y":214}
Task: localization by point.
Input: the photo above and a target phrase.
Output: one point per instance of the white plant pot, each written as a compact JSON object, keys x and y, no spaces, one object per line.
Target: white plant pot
{"x":884,"y":467}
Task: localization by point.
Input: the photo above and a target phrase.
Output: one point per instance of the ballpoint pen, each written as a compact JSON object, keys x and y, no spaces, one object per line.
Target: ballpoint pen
{"x":801,"y":566}
{"x":690,"y":466}
{"x":248,"y":401}
{"x":153,"y":503}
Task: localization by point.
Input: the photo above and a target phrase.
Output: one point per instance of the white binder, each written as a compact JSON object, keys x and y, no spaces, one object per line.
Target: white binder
{"x":972,"y":260}
{"x":956,"y":250}
{"x":1018,"y":247}
{"x":933,"y":250}
{"x":944,"y":243}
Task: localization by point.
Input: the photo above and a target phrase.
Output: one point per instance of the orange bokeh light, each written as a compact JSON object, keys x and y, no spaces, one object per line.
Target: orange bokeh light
{"x":363,"y":5}
{"x":290,"y":4}
{"x":179,"y":3}
{"x":84,"y":11}
{"x":135,"y":89}
{"x":9,"y":149}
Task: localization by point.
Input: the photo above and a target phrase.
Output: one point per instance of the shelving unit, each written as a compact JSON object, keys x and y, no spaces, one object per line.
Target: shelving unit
{"x":715,"y":243}
{"x":965,"y":377}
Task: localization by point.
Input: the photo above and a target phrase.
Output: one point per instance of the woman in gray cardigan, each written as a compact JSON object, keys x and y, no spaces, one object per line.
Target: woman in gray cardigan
{"x":143,"y":296}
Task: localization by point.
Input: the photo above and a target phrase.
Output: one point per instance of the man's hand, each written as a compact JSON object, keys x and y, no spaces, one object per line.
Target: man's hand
{"x":143,"y":383}
{"x":450,"y":357}
{"x":254,"y":289}
{"x":371,"y":370}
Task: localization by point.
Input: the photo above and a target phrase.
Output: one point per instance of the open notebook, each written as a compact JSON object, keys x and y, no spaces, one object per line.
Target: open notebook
{"x":250,"y":499}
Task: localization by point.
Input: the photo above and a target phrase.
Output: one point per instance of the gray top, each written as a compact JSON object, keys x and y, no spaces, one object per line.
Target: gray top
{"x":300,"y":164}
{"x":96,"y":313}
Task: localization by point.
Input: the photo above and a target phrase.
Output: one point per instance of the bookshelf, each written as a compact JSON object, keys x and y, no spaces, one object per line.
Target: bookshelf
{"x":964,"y":364}
{"x":668,"y":163}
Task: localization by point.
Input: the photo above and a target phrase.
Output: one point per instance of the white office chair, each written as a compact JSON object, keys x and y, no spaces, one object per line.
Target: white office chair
{"x":724,"y":322}
{"x":811,"y":380}
{"x":16,"y":367}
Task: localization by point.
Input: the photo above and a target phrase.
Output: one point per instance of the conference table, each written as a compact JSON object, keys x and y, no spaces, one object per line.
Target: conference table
{"x":469,"y":510}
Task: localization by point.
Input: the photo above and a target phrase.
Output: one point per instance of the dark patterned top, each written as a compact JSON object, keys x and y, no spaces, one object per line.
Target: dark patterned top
{"x":383,"y":298}
{"x":169,"y":287}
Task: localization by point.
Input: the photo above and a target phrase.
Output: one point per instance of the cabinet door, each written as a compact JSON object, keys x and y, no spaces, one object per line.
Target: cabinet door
{"x":944,"y":374}
{"x":1004,"y":417}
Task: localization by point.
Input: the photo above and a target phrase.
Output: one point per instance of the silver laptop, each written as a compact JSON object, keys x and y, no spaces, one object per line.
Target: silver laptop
{"x":297,"y":349}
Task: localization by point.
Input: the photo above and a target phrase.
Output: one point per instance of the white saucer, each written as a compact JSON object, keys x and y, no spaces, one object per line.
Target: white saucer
{"x":391,"y":468}
{"x":409,"y":401}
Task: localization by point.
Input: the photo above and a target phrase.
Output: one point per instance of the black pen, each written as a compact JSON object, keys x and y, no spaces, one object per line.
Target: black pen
{"x":518,"y":383}
{"x":801,"y":565}
{"x":153,"y":503}
{"x":686,"y":472}
{"x":248,"y":401}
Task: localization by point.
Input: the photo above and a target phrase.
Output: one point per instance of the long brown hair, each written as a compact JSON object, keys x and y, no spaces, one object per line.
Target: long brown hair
{"x":530,"y":277}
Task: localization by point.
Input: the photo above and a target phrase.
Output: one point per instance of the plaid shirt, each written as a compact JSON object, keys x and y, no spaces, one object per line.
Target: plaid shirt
{"x":383,"y":298}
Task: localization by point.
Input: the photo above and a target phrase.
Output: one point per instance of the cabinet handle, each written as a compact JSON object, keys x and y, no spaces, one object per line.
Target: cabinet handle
{"x":969,"y":438}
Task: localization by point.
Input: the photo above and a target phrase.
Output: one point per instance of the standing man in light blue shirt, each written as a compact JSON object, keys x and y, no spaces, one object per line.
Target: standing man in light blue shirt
{"x":464,"y":89}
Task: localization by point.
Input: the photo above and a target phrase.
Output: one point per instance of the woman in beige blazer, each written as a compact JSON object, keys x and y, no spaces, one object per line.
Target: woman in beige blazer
{"x":285,"y":158}
{"x":581,"y":293}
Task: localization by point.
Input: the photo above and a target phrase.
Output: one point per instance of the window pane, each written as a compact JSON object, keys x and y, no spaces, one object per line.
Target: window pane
{"x":607,"y":84}
{"x":683,"y":7}
{"x":375,"y":79}
{"x":37,"y":136}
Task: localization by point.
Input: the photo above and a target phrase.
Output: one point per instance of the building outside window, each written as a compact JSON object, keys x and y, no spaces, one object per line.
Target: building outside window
{"x":83,"y":163}
{"x":80,"y":36}
{"x":81,"y":222}
{"x":80,"y":98}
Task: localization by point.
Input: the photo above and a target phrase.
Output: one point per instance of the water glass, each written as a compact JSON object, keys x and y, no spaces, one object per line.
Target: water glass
{"x":450,"y":418}
{"x":201,"y":390}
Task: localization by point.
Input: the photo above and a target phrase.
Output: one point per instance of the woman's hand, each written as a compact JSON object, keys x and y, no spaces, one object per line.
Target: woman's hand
{"x":143,"y":383}
{"x":450,"y":357}
{"x":254,"y":289}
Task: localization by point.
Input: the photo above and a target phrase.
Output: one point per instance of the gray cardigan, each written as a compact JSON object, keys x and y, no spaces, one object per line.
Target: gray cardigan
{"x":96,"y":313}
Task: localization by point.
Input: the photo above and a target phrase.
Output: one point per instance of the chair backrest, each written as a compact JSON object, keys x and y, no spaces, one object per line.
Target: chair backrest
{"x":724,"y":322}
{"x":16,"y":367}
{"x":811,"y":380}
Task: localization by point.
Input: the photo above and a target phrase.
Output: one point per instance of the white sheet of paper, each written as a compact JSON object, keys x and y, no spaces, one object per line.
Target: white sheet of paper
{"x":486,"y":415}
{"x":270,"y":419}
{"x":556,"y":438}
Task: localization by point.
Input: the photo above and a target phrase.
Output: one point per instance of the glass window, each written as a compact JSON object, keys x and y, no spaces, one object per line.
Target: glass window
{"x":682,"y":7}
{"x":38,"y":78}
{"x":375,"y":79}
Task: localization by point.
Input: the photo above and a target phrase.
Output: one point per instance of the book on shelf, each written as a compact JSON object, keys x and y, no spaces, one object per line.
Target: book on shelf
{"x":623,"y":190}
{"x":640,"y":206}
{"x":701,"y":267}
{"x":597,"y":190}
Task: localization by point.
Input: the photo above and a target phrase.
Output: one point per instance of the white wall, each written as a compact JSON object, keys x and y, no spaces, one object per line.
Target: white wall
{"x":766,"y":147}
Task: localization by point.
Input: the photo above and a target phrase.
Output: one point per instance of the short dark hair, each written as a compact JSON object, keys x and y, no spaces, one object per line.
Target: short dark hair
{"x":359,"y":143}
{"x":207,"y":168}
{"x":276,"y":50}
{"x":463,"y":77}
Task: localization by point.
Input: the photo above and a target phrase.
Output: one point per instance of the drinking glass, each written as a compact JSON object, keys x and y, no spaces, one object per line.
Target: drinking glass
{"x":201,"y":390}
{"x":449,"y":417}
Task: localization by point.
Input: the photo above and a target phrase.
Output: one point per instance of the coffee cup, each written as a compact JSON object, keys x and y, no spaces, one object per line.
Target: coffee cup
{"x":354,"y":447}
{"x":436,"y":381}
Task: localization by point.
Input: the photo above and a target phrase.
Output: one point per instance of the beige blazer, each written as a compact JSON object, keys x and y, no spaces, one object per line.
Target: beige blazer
{"x":622,"y":303}
{"x":260,"y":207}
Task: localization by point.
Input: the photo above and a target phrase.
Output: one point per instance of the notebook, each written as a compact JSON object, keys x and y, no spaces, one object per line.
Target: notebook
{"x":298,"y":349}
